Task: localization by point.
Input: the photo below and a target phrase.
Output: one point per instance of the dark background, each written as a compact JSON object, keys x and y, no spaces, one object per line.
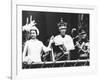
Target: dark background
{"x":47,"y":22}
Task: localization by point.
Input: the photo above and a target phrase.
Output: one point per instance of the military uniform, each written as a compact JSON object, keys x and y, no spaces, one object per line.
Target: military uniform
{"x":63,"y":43}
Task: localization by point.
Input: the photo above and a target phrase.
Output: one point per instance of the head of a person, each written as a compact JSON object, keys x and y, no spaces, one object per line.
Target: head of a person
{"x":83,"y":34}
{"x":62,"y":27}
{"x":62,"y":30}
{"x":33,"y":34}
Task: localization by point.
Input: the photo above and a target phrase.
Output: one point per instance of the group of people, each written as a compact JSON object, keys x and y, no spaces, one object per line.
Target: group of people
{"x":33,"y":47}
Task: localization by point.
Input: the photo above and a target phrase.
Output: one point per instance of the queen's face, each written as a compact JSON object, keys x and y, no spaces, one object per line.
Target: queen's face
{"x":33,"y":34}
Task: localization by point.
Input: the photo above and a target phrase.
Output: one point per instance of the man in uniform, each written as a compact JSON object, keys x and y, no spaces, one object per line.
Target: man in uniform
{"x":64,"y":41}
{"x":83,"y":45}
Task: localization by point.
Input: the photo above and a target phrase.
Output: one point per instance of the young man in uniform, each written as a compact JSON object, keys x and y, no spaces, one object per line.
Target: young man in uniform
{"x":83,"y":45}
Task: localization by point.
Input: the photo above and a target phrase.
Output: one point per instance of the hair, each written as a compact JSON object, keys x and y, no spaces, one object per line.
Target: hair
{"x":33,"y":30}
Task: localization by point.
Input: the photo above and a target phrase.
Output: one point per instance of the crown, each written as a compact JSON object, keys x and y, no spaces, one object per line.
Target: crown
{"x":62,"y":23}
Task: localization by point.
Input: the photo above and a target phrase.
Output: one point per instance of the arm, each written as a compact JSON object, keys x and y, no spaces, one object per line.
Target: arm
{"x":24,"y":51}
{"x":71,"y":44}
{"x":51,"y":41}
{"x":48,"y":48}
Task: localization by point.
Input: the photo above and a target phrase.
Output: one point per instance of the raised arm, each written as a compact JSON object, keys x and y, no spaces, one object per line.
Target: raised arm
{"x":48,"y":48}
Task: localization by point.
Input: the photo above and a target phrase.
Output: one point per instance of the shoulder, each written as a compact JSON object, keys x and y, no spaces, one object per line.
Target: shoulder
{"x":68,"y":36}
{"x":57,"y":36}
{"x":27,"y":41}
{"x":39,"y":42}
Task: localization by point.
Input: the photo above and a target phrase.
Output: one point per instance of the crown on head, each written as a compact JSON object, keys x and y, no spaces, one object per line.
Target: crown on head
{"x":62,"y":23}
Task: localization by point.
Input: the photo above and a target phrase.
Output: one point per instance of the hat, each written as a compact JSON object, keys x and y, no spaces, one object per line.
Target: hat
{"x":82,"y":32}
{"x":30,"y":26}
{"x":62,"y":24}
{"x":35,"y":29}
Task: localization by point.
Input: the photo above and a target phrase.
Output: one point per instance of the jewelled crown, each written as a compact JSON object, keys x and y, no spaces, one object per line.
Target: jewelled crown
{"x":62,"y":24}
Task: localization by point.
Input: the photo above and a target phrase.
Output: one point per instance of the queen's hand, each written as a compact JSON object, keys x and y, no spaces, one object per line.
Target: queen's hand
{"x":52,"y":39}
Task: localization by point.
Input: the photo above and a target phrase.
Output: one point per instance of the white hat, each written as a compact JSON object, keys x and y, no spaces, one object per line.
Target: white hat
{"x":35,"y":28}
{"x":30,"y":26}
